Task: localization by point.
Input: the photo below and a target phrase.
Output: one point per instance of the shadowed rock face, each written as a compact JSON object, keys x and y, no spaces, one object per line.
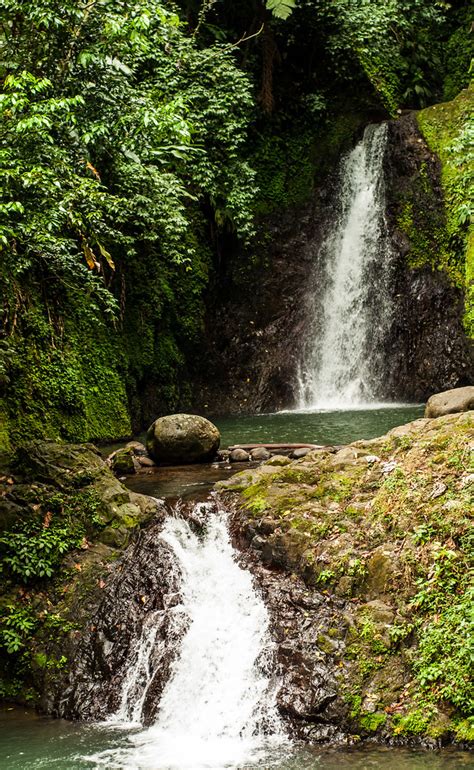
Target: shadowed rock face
{"x":256,"y":327}
{"x":428,"y":348}
{"x":308,"y":696}
{"x":142,"y":589}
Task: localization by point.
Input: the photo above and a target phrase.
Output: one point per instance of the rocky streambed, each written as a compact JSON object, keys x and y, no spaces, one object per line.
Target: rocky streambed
{"x":361,"y":553}
{"x":364,"y":557}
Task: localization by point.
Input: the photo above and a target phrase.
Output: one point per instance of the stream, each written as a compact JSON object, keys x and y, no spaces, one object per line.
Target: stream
{"x":30,"y":742}
{"x":218,"y":708}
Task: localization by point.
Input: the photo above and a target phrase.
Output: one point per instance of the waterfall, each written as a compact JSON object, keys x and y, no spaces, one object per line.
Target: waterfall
{"x":351,"y":309}
{"x":218,"y":708}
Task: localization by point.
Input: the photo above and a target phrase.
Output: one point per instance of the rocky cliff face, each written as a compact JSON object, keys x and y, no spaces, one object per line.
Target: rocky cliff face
{"x":256,"y":325}
{"x":256,"y":321}
{"x":428,"y":347}
{"x":64,"y":522}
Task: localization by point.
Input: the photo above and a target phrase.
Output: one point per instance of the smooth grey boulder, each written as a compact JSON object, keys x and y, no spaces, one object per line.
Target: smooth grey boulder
{"x":181,"y":439}
{"x":450,"y":401}
{"x":298,"y":454}
{"x":260,"y":453}
{"x":239,"y":456}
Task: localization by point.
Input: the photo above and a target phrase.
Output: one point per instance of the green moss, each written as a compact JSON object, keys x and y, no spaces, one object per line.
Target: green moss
{"x":68,"y":384}
{"x":413,"y":723}
{"x":372,"y":722}
{"x":464,"y":729}
{"x":4,"y":429}
{"x":292,"y":159}
{"x":447,"y":129}
{"x":459,"y":53}
{"x":384,"y":81}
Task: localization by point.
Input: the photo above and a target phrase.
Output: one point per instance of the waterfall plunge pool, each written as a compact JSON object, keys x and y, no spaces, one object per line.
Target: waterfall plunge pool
{"x":29,"y":742}
{"x":305,"y":426}
{"x":322,"y":426}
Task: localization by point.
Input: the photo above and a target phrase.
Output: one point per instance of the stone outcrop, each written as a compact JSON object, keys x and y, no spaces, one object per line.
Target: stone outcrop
{"x":450,"y":401}
{"x":182,"y":438}
{"x":428,"y":350}
{"x":133,"y":595}
{"x":349,"y":548}
{"x":64,"y":521}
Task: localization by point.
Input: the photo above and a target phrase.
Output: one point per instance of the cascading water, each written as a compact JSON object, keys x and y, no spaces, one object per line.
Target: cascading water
{"x":218,"y":708}
{"x":343,"y":363}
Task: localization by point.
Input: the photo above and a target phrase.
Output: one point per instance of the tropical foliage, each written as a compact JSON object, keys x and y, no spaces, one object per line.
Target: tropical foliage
{"x":139,"y":139}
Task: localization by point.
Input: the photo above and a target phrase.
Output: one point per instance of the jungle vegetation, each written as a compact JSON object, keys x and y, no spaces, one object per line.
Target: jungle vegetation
{"x":138,"y":138}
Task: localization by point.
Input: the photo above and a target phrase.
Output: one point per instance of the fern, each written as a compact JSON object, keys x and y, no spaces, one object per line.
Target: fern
{"x":281,"y":8}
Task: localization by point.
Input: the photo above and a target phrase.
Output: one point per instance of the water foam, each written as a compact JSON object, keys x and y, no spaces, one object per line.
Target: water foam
{"x":218,"y":708}
{"x":343,"y":363}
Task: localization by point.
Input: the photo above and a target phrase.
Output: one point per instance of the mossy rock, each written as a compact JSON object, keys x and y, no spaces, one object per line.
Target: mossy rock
{"x":180,"y":439}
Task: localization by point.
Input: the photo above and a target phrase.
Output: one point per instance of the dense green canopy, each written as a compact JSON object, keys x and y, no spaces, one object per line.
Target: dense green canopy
{"x":138,"y":136}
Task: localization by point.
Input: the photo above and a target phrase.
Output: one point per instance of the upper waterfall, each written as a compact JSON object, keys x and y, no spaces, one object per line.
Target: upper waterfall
{"x":218,"y":708}
{"x":351,"y":307}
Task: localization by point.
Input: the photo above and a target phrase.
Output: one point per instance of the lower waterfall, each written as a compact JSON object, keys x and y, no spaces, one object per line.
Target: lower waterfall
{"x":218,"y":708}
{"x":351,"y":307}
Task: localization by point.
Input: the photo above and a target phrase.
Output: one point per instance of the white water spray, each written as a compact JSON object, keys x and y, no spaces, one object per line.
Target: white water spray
{"x":343,"y":362}
{"x":218,"y":709}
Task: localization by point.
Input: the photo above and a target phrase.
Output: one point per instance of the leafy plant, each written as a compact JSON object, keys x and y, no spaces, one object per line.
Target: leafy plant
{"x":282,"y":9}
{"x":16,"y":627}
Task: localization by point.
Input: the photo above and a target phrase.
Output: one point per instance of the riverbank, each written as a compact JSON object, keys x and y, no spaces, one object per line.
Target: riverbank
{"x":379,"y":535}
{"x":361,"y":553}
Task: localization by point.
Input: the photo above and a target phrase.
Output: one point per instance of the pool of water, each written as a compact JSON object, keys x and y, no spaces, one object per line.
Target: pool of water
{"x":321,"y":427}
{"x":336,"y":427}
{"x":29,"y":742}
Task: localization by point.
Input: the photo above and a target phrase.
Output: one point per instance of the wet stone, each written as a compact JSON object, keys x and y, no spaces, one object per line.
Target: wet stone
{"x":239,"y":456}
{"x":260,"y":454}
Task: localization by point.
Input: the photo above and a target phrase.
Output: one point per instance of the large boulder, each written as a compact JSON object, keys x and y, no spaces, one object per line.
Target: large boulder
{"x":182,"y":438}
{"x":450,"y":401}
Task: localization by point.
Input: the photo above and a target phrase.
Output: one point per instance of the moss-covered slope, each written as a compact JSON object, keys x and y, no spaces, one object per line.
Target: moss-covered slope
{"x":448,"y":130}
{"x":64,"y":521}
{"x":384,"y":526}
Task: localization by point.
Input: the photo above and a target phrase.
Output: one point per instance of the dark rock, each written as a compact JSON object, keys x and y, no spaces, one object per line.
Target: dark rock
{"x":267,"y":526}
{"x":122,"y":462}
{"x":307,"y":690}
{"x":134,"y":596}
{"x":450,"y":402}
{"x":428,"y":347}
{"x":239,"y":456}
{"x":301,"y":619}
{"x":10,"y":513}
{"x":257,"y":543}
{"x":182,"y":438}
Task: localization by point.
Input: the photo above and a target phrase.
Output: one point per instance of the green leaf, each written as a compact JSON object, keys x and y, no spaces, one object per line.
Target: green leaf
{"x":282,"y":9}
